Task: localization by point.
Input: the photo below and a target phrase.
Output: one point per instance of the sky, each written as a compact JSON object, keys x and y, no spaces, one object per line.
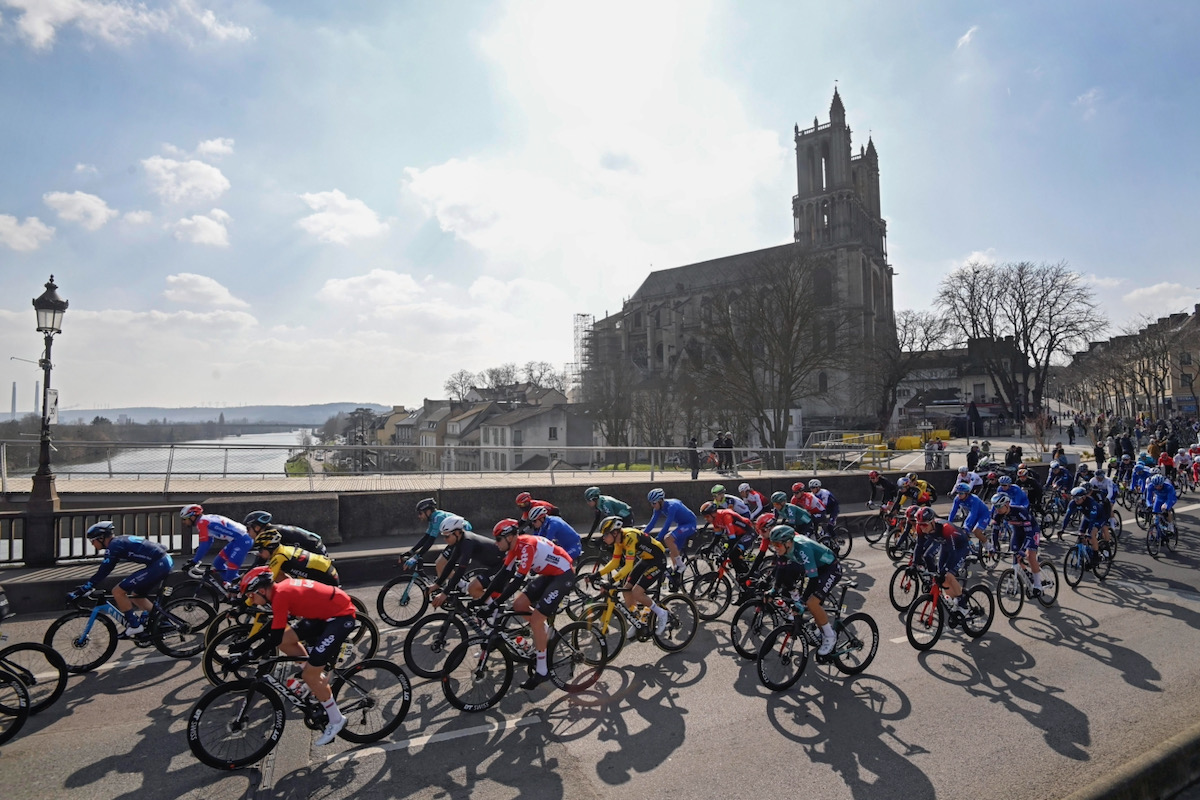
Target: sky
{"x":304,"y":202}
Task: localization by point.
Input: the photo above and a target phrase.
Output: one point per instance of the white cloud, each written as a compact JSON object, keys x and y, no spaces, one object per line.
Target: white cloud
{"x":1103,"y":283}
{"x":184,"y":181}
{"x":203,"y":228}
{"x":215,"y":147}
{"x":1160,"y":299}
{"x":987,"y":256}
{"x":138,"y":217}
{"x":200,"y":291}
{"x":384,"y":291}
{"x":118,"y":22}
{"x":88,"y":210}
{"x":86,"y":169}
{"x":1088,"y":101}
{"x":340,"y":219}
{"x":24,"y":236}
{"x":965,"y":39}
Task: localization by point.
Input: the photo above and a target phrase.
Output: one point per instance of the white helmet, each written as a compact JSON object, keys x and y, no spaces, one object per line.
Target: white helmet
{"x":743,"y":487}
{"x":452,"y":522}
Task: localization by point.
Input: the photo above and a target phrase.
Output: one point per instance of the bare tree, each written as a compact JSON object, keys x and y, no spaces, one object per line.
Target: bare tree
{"x":458,"y":384}
{"x":1044,"y":311}
{"x":655,"y":412}
{"x":495,"y":377}
{"x":892,"y":359}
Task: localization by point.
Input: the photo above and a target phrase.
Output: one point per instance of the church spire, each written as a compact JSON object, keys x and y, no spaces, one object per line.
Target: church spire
{"x":871,"y":154}
{"x":837,"y":111}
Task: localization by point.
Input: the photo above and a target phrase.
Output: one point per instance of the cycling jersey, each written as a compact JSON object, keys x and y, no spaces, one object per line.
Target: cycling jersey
{"x":809,"y":502}
{"x":536,"y":555}
{"x":676,"y":518}
{"x":756,"y":502}
{"x":1104,"y":485}
{"x":214,"y":527}
{"x":977,"y":512}
{"x":307,"y":599}
{"x":888,"y":488}
{"x":632,"y":546}
{"x":1093,"y":513}
{"x":137,"y":549}
{"x":810,"y":555}
{"x":611,"y":507}
{"x":795,"y":516}
{"x":734,"y":504}
{"x":1140,"y":473}
{"x":472,"y":550}
{"x":292,"y":562}
{"x":830,"y":502}
{"x":1161,"y":499}
{"x":299,"y":537}
{"x":1059,"y":478}
{"x":1032,"y":488}
{"x":914,"y":495}
{"x":551,"y":509}
{"x":434,"y":529}
{"x":972,"y":479}
{"x":1017,"y":495}
{"x":731,"y":524}
{"x":558,"y":531}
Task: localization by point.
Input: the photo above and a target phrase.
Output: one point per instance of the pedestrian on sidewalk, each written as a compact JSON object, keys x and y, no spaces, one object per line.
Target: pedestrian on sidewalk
{"x":694,"y":457}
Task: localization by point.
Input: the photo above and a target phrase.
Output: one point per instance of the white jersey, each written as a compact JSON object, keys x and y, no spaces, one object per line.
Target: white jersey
{"x":971,"y":478}
{"x":1105,"y":485}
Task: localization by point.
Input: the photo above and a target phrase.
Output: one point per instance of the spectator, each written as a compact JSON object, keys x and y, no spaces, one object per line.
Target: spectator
{"x":1011,"y":458}
{"x":718,"y":446}
{"x":941,"y":453}
{"x":1058,"y":454}
{"x":930,"y":449}
{"x":1071,"y":433}
{"x":729,"y":452}
{"x":1098,"y":452}
{"x":694,"y":457}
{"x":973,"y":458}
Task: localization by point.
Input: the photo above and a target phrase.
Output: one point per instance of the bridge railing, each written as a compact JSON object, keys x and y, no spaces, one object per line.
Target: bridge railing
{"x":159,"y":523}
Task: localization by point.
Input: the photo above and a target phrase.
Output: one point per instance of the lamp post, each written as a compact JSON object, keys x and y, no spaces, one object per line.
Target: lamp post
{"x":40,"y":538}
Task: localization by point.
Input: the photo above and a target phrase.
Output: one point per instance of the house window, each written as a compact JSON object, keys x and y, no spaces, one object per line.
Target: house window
{"x":517,"y":438}
{"x":979,"y":391}
{"x":822,"y":382}
{"x":503,"y":436}
{"x":637,"y":319}
{"x":1185,"y":378}
{"x":553,"y":434}
{"x":1185,"y":359}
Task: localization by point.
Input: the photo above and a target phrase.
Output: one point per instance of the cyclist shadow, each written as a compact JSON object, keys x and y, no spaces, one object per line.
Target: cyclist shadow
{"x":847,"y":725}
{"x":1081,"y":633}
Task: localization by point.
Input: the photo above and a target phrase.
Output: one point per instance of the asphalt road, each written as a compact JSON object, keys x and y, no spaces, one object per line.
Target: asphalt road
{"x":1040,"y":706}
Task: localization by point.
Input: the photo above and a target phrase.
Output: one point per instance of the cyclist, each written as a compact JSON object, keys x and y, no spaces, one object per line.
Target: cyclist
{"x":755,"y":501}
{"x":464,"y":551}
{"x":955,"y":545}
{"x":556,"y":530}
{"x":1101,"y":485}
{"x":886,"y":488}
{"x":969,"y":477}
{"x":1094,"y":512}
{"x":1141,"y":472}
{"x":130,"y":594}
{"x":642,"y":560}
{"x":976,"y":511}
{"x":1032,"y":487}
{"x":790,"y":514}
{"x":1124,"y":470}
{"x":1166,"y":463}
{"x":827,"y":498}
{"x":912,"y":493}
{"x":432,"y":516}
{"x":1082,"y":475}
{"x":735,"y":504}
{"x":526,"y":503}
{"x":991,"y":483}
{"x":526,"y":555}
{"x":806,"y":499}
{"x":258,"y":521}
{"x":292,"y":562}
{"x":922,"y":485}
{"x":802,"y":557}
{"x":606,"y":507}
{"x":1019,"y":498}
{"x":326,"y":616}
{"x":1058,"y":479}
{"x":1183,"y":463}
{"x":1161,"y":497}
{"x":214,"y":527}
{"x":1026,"y":535}
{"x":738,"y":532}
{"x":678,"y":524}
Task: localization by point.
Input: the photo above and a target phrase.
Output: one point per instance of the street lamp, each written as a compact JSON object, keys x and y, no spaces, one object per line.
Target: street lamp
{"x":40,"y":539}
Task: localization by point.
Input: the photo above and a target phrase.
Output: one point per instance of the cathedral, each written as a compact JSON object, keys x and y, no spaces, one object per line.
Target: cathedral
{"x":836,"y":215}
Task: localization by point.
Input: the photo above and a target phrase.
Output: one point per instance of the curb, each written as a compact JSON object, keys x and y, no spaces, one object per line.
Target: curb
{"x":1158,"y":774}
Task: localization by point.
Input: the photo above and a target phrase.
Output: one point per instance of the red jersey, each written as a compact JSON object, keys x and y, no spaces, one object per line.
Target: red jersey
{"x":731,"y":523}
{"x":809,"y":502}
{"x":537,"y":555}
{"x":551,"y":509}
{"x":307,"y":599}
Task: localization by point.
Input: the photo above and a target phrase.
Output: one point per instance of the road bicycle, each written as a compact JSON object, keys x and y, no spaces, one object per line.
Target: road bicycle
{"x":930,"y":614}
{"x":878,"y":526}
{"x":900,"y":542}
{"x":14,"y":705}
{"x":1016,"y":584}
{"x":713,"y":591}
{"x":754,"y":619}
{"x":1080,"y":558}
{"x":431,"y":639}
{"x":784,"y":653}
{"x":237,"y":724}
{"x":617,"y":623}
{"x":39,"y":667}
{"x":479,"y":671}
{"x":404,"y":598}
{"x":836,"y":537}
{"x":1054,"y":506}
{"x":87,"y":636}
{"x":1160,"y":534}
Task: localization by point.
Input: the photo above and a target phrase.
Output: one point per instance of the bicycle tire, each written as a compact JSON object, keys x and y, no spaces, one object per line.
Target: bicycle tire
{"x":1142,"y":517}
{"x":40,"y":668}
{"x":1073,"y":568}
{"x":981,"y":610}
{"x":712,"y":594}
{"x":584,"y":593}
{"x":576,"y":657}
{"x":179,"y":630}
{"x":1049,"y":591}
{"x":198,"y":590}
{"x":474,"y":679}
{"x":616,"y":633}
{"x":782,"y":659}
{"x":374,"y":696}
{"x":683,"y":621}
{"x":234,"y":615}
{"x":751,"y":623}
{"x":430,"y":641}
{"x":398,"y":608}
{"x":82,"y":654}
{"x":216,"y":655}
{"x":843,"y":541}
{"x":14,"y":705}
{"x":903,"y":588}
{"x":363,"y":641}
{"x":874,"y":530}
{"x":1116,"y":523}
{"x":1153,"y":542}
{"x":898,"y":544}
{"x":1108,"y":554}
{"x":1171,"y":539}
{"x":213,"y":720}
{"x":924,"y":623}
{"x":1010,"y":594}
{"x":857,"y":643}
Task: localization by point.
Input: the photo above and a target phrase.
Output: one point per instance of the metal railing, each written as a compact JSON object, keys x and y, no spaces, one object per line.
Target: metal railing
{"x":158,"y":523}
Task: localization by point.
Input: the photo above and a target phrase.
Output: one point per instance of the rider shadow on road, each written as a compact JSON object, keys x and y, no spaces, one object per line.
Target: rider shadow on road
{"x":1080,"y":633}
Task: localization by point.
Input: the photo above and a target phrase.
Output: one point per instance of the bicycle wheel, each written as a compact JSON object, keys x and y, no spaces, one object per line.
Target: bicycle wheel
{"x":476,"y":676}
{"x":903,"y":588}
{"x":782,"y":659}
{"x":216,"y":657}
{"x":40,"y":668}
{"x":576,"y":657}
{"x":924,"y":622}
{"x":430,"y":641}
{"x":14,"y":705}
{"x":1049,"y":584}
{"x":197,"y":589}
{"x":843,"y":541}
{"x":1073,"y":567}
{"x":1115,"y":522}
{"x":857,"y":643}
{"x":1104,"y":563}
{"x":373,"y":696}
{"x":402,"y":600}
{"x":584,"y":593}
{"x":1170,"y":538}
{"x":752,"y":621}
{"x":712,"y":594}
{"x":614,"y":632}
{"x":1010,"y":595}
{"x":683,"y":620}
{"x":898,"y":544}
{"x":980,"y":608}
{"x":1142,"y":517}
{"x":82,"y":647}
{"x":231,"y":616}
{"x":362,"y":644}
{"x":875,"y":529}
{"x":178,"y":630}
{"x":1153,"y":541}
{"x":235,"y":724}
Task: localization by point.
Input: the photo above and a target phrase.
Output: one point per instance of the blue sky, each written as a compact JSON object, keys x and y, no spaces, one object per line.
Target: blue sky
{"x":296,"y":202}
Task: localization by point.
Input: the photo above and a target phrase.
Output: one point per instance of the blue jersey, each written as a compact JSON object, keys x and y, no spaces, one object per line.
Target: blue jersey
{"x":130,"y":548}
{"x":976,"y":510}
{"x":1059,"y":478}
{"x":558,"y":531}
{"x":1093,"y":513}
{"x":1140,"y":473}
{"x":1019,"y":498}
{"x":673,"y":512}
{"x":214,"y":527}
{"x":1161,"y":499}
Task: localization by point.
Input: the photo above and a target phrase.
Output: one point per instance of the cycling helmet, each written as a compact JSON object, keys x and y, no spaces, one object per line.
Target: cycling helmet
{"x":873,"y":473}
{"x":656,"y":496}
{"x":1001,"y":500}
{"x":743,"y":487}
{"x":902,"y":483}
{"x":963,"y":470}
{"x":1005,"y":480}
{"x":1156,"y":471}
{"x":101,"y":530}
{"x":428,"y":504}
{"x":1158,"y":481}
{"x":763,"y":524}
{"x":782,"y":533}
{"x":536,"y":513}
{"x":912,"y":476}
{"x":1022,"y":473}
{"x":779,"y":497}
{"x":267,"y":540}
{"x":911,"y":513}
{"x":610,"y":525}
{"x":814,"y":484}
{"x":190,"y":511}
{"x":257,"y":518}
{"x":1126,"y":458}
{"x":925,"y":515}
{"x":1100,"y":473}
{"x":256,"y":580}
{"x":718,"y":489}
{"x":1079,"y":491}
{"x":962,"y":488}
{"x":1112,"y":462}
{"x":524,"y":500}
{"x":708,"y":509}
{"x":798,"y":487}
{"x":1054,"y":464}
{"x":504,"y":527}
{"x":1020,"y":466}
{"x":453,"y":522}
{"x":591,"y":493}
{"x":991,"y":476}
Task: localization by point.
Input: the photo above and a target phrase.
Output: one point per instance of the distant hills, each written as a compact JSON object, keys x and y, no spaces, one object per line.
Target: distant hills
{"x":283,"y":415}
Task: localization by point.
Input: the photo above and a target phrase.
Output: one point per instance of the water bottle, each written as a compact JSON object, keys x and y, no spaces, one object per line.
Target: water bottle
{"x":298,"y":687}
{"x":524,"y":646}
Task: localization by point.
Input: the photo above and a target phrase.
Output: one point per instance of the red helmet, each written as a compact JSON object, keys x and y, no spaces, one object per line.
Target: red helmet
{"x":505,"y":527}
{"x":799,"y":487}
{"x":257,"y":578}
{"x":991,"y":476}
{"x":1022,"y":472}
{"x":911,"y":513}
{"x":873,"y":473}
{"x":925,"y":515}
{"x":763,"y":524}
{"x":524,"y":499}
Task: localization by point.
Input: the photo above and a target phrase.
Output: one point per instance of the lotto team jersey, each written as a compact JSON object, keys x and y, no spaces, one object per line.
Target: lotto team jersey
{"x":537,"y":555}
{"x":307,"y":599}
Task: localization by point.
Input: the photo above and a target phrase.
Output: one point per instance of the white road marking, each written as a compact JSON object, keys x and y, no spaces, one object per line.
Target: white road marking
{"x":419,"y":741}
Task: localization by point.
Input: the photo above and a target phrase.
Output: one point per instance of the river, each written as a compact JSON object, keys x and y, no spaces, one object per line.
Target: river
{"x":241,"y":456}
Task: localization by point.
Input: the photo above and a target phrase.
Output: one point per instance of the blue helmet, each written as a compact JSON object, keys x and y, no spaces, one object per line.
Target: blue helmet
{"x":1005,"y":480}
{"x":656,"y":496}
{"x":1158,"y":481}
{"x":962,"y":488}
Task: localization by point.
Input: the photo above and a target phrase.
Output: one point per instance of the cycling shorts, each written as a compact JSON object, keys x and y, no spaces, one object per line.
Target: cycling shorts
{"x":144,"y":581}
{"x":954,"y":550}
{"x":545,"y":592}
{"x":324,"y":638}
{"x":681,"y":535}
{"x":646,"y":573}
{"x":820,"y":586}
{"x":1024,"y":539}
{"x":233,"y":554}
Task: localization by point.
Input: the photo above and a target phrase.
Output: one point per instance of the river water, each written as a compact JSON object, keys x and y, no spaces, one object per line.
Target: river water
{"x":226,"y":455}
